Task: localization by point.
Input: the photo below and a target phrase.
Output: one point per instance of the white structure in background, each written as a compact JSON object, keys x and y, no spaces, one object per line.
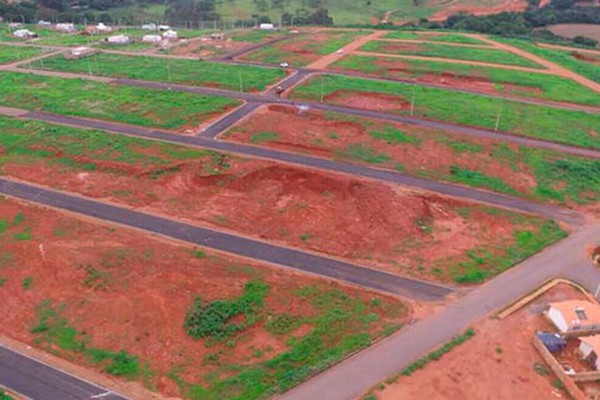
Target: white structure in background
{"x":15,"y":25}
{"x":118,"y":39}
{"x":24,"y":34}
{"x":163,"y":28}
{"x":574,"y":316}
{"x":80,"y":52}
{"x":149,"y":27}
{"x":65,"y":27}
{"x":170,"y":35}
{"x":589,"y":348}
{"x":43,"y":23}
{"x":103,"y":28}
{"x":266,"y":26}
{"x":152,"y":39}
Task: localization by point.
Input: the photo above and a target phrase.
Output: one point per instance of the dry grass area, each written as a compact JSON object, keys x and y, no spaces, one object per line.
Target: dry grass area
{"x":571,"y":30}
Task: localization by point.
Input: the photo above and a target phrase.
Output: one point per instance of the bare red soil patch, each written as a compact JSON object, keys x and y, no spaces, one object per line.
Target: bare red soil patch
{"x":137,"y":297}
{"x":208,"y":48}
{"x":478,"y":8}
{"x":327,"y":135}
{"x":363,"y":221}
{"x":585,"y":57}
{"x":368,"y":100}
{"x":497,"y":363}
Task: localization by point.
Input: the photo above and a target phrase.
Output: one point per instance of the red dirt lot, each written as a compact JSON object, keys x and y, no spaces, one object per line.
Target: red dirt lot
{"x":363,"y":221}
{"x":496,"y":364}
{"x":330,"y":135}
{"x":125,"y":290}
{"x":208,"y":48}
{"x":476,"y":8}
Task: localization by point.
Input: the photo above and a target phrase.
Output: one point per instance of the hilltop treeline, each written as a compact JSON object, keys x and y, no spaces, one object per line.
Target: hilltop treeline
{"x":521,"y":23}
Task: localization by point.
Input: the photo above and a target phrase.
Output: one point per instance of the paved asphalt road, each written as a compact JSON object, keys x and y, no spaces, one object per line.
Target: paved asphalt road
{"x":459,"y":129}
{"x":350,"y":378}
{"x":230,"y":243}
{"x":561,"y":214}
{"x":227,"y":121}
{"x":39,"y":381}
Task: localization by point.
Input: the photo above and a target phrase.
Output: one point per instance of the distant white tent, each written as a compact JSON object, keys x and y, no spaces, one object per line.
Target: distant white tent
{"x":24,"y":34}
{"x":65,"y":27}
{"x":118,"y":39}
{"x":149,"y":27}
{"x":152,"y":38}
{"x":170,"y":34}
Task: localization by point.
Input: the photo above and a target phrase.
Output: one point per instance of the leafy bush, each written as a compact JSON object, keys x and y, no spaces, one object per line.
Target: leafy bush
{"x":214,"y":319}
{"x":282,"y":324}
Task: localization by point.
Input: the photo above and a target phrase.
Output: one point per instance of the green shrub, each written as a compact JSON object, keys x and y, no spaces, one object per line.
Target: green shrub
{"x":213,"y":320}
{"x":282,"y":324}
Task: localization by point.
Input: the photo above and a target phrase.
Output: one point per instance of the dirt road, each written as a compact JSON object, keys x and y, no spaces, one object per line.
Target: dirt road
{"x":553,"y":68}
{"x":325,"y":61}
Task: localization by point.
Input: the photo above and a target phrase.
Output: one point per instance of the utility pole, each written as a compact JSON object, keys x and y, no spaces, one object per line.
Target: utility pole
{"x":241,"y":80}
{"x":498,"y":118}
{"x":322,"y":95}
{"x":412,"y":104}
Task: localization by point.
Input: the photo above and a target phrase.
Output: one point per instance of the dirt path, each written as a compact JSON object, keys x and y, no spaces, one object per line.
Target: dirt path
{"x":552,"y":68}
{"x":567,"y":48}
{"x":323,"y":62}
{"x":424,"y":40}
{"x":454,"y":61}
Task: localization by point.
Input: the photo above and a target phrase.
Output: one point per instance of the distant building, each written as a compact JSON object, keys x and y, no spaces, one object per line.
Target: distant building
{"x":103,"y":28}
{"x":266,"y":26}
{"x":574,"y":316}
{"x":152,"y":38}
{"x":15,"y":25}
{"x":43,"y":23}
{"x":24,"y":34}
{"x":163,"y":28}
{"x":117,"y":39}
{"x":149,"y":27}
{"x":589,"y":348}
{"x":65,"y":27}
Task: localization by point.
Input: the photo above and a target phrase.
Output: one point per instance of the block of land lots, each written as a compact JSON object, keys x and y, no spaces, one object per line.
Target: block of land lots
{"x":554,"y":124}
{"x":583,"y":63}
{"x":130,"y":105}
{"x":188,"y":72}
{"x":447,"y":50}
{"x":10,"y":54}
{"x":366,"y":222}
{"x":306,"y":48}
{"x":444,"y":37}
{"x":472,"y":77}
{"x":232,"y":42}
{"x":179,"y":320}
{"x":498,"y":362}
{"x":537,"y":174}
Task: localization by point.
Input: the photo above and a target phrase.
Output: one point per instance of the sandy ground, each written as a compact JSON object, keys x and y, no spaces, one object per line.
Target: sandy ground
{"x":122,"y":289}
{"x":496,"y":364}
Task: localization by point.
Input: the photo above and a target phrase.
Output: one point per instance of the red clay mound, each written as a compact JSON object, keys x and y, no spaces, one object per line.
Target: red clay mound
{"x":368,"y":100}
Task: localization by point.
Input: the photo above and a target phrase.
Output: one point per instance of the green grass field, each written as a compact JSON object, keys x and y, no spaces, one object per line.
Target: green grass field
{"x":256,"y":35}
{"x":136,"y":106}
{"x":10,"y":54}
{"x":306,"y":48}
{"x":519,"y":83}
{"x":26,"y":142}
{"x":451,"y":52}
{"x":444,"y":37}
{"x":189,"y":72}
{"x":563,"y":126}
{"x":561,"y":57}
